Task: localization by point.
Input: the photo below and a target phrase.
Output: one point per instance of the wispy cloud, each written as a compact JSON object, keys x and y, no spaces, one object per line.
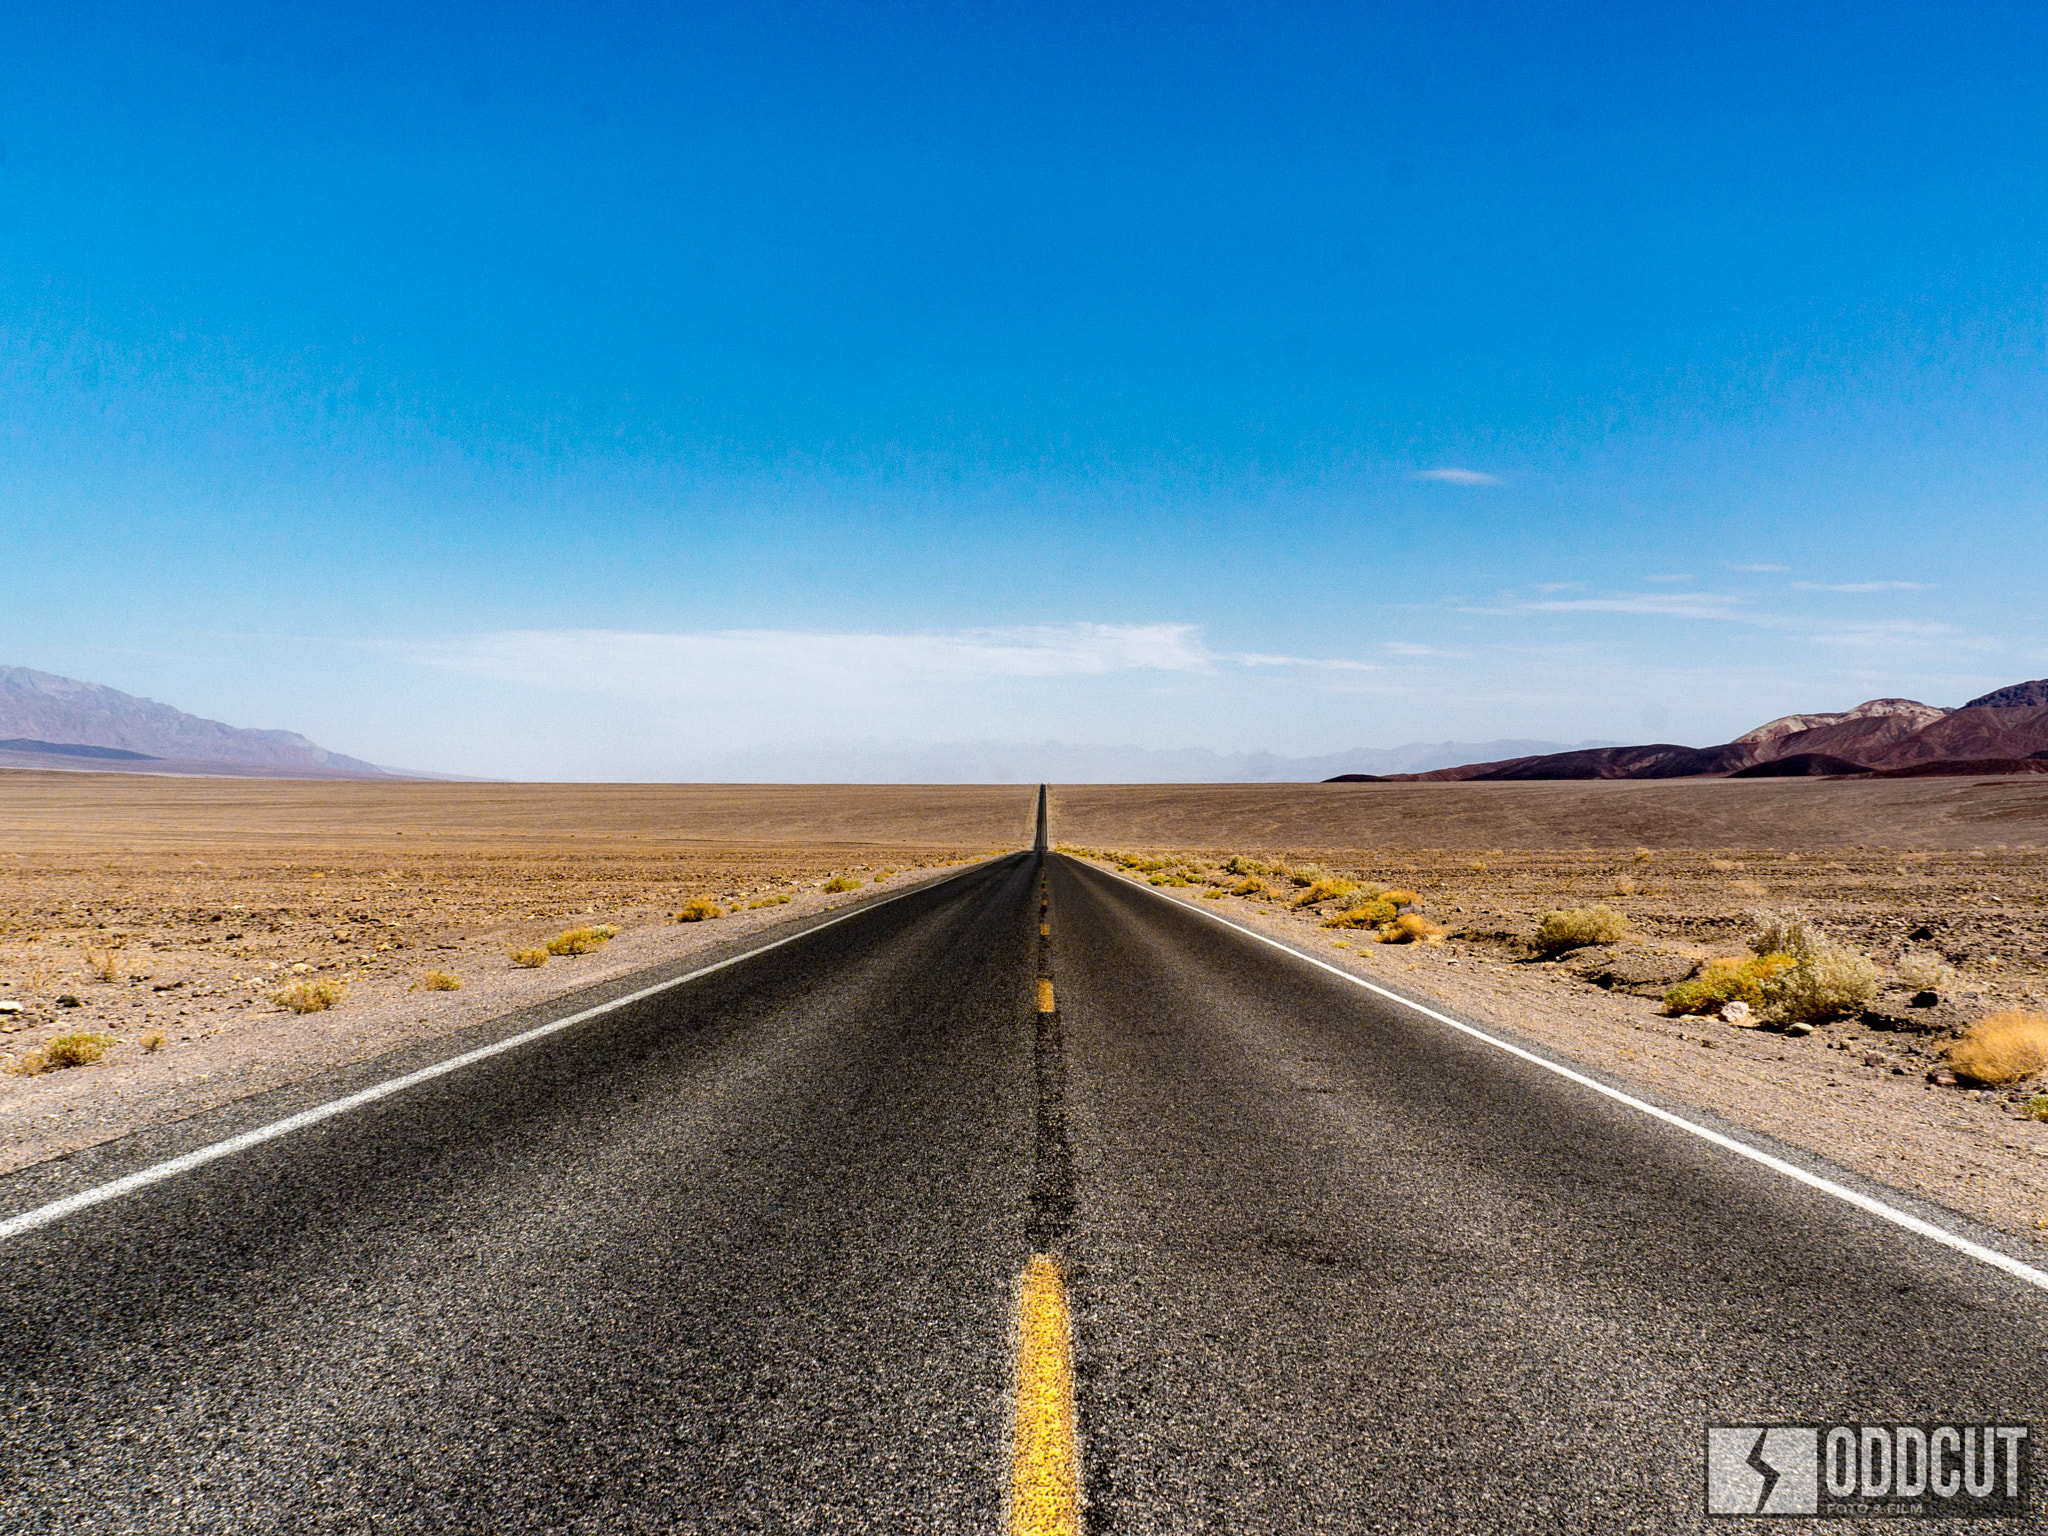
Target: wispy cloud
{"x":1760,"y":569}
{"x":1862,"y":586}
{"x":1419,"y":652}
{"x":1452,"y":476}
{"x":1892,"y":639}
{"x":1665,"y":605}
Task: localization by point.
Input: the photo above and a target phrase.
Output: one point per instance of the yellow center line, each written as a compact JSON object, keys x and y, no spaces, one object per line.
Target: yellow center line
{"x":1045,"y":930}
{"x":1044,"y":995}
{"x":1045,"y":1472}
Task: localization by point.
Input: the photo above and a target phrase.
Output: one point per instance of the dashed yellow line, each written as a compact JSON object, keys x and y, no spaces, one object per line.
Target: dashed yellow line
{"x":1045,"y":930}
{"x":1044,"y":995}
{"x":1045,"y":1472}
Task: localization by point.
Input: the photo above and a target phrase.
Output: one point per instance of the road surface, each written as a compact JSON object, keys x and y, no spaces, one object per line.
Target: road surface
{"x":746,"y":1255}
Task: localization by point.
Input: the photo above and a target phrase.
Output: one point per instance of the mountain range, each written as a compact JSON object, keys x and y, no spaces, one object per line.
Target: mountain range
{"x":48,"y":721}
{"x":2005,"y":731}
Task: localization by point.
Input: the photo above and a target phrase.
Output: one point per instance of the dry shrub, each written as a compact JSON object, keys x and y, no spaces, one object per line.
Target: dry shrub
{"x":2002,"y":1047}
{"x":1412,"y":928}
{"x":840,"y":883}
{"x":1924,"y":972}
{"x":310,"y":996}
{"x":1170,"y":877}
{"x":698,"y":909}
{"x":1829,"y":980}
{"x":1401,"y":898}
{"x":1579,"y":926}
{"x":103,"y":964}
{"x":153,"y":1041}
{"x":532,"y":959}
{"x":1251,"y":886}
{"x":76,"y":1049}
{"x":768,"y":901}
{"x":1642,"y":855}
{"x":1374,"y":912}
{"x":1326,"y":889}
{"x":1726,"y":979}
{"x":437,"y":981}
{"x":1304,"y":874}
{"x":1625,"y":886}
{"x":1238,"y":864}
{"x":581,"y":941}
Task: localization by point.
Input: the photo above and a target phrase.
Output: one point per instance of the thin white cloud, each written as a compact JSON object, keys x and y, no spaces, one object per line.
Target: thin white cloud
{"x":1891,"y":639}
{"x":1449,"y":475}
{"x":1862,"y":586}
{"x":1760,"y":569}
{"x":1419,"y":652}
{"x":1664,"y":605}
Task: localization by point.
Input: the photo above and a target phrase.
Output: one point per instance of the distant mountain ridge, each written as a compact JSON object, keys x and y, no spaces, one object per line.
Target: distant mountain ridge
{"x":1016,"y":762}
{"x":1900,"y":737}
{"x":42,"y":713}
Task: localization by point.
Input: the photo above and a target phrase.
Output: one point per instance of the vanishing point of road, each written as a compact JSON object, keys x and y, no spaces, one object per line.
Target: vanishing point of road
{"x":1028,"y":1197}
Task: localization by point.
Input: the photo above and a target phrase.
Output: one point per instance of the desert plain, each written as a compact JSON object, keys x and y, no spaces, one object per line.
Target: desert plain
{"x":165,"y":917}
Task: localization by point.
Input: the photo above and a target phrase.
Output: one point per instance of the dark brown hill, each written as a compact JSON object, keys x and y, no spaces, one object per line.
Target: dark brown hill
{"x":1865,"y":739}
{"x":1800,"y":765}
{"x":2016,"y":696}
{"x":1663,"y":760}
{"x":1976,"y":732}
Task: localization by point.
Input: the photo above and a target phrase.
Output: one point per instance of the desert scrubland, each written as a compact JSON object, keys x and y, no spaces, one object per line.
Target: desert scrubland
{"x":162,"y":918}
{"x":1941,"y":888}
{"x":165,"y":918}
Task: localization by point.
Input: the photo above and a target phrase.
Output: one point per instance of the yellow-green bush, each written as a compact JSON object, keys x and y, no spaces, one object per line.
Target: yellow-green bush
{"x":1411,"y":928}
{"x":1576,"y":927}
{"x":1251,"y":886}
{"x":1374,"y":913}
{"x":581,"y":941}
{"x":768,"y":901}
{"x":699,"y":908}
{"x":532,"y":959}
{"x":840,"y":883}
{"x":1727,"y":979}
{"x":311,"y":996}
{"x":437,"y":981}
{"x":1328,"y":888}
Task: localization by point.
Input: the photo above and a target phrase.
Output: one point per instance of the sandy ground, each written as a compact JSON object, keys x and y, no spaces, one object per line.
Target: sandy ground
{"x":212,"y":895}
{"x":1856,"y":1094}
{"x":1806,"y":814}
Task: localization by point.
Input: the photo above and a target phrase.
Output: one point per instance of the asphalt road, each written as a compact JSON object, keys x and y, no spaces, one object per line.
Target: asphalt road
{"x":744,"y":1256}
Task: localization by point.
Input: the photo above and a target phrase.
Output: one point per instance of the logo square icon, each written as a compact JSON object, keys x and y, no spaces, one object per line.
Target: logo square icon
{"x":1763,"y":1469}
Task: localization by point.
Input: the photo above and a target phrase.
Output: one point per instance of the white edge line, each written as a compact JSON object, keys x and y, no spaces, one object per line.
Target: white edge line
{"x":1842,"y":1192}
{"x":156,"y":1173}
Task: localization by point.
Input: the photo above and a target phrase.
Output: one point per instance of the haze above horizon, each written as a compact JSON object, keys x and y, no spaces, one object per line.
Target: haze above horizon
{"x":605,"y":392}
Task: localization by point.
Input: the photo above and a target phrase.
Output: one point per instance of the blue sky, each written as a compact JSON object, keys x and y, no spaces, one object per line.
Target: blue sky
{"x":601,"y":391}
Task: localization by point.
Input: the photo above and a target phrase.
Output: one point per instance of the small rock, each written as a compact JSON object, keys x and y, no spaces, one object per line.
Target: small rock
{"x":1739,"y":1014}
{"x":1942,"y":1079}
{"x":1924,"y":1000}
{"x":1798,"y":1029}
{"x":67,"y":1000}
{"x":1897,"y":1070}
{"x":168,"y":986}
{"x":1872,"y":1059}
{"x":9,"y":1005}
